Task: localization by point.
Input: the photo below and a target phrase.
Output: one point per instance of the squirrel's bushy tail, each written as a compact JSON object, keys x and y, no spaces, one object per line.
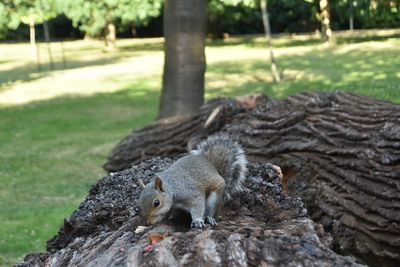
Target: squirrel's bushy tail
{"x":228,"y":158}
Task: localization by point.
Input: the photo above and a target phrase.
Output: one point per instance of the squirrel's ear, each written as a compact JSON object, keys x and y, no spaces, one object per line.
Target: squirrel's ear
{"x":158,"y":184}
{"x":141,"y":184}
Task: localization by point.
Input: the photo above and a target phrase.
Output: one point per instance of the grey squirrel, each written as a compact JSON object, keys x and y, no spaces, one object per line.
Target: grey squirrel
{"x":198,"y":183}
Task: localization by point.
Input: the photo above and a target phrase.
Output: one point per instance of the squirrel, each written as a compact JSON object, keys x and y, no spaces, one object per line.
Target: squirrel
{"x":198,"y":183}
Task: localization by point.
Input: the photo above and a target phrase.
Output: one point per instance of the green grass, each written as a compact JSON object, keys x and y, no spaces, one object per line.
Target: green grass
{"x":51,"y":154}
{"x":57,"y":127}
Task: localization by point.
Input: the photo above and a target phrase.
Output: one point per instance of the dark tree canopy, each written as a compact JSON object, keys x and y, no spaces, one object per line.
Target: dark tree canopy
{"x":228,"y":16}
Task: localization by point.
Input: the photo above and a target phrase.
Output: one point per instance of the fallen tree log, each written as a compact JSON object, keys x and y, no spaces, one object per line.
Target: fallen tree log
{"x":175,"y":135}
{"x":261,"y":227}
{"x":339,"y":152}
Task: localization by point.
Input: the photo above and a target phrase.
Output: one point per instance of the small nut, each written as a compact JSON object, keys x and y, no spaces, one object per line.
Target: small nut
{"x":140,"y":229}
{"x":279,"y":171}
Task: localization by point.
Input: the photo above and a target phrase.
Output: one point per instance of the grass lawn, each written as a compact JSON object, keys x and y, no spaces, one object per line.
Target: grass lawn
{"x":57,"y":127}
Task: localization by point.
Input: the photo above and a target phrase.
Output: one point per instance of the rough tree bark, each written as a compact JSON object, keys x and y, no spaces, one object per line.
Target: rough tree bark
{"x":339,"y":151}
{"x":264,"y":227}
{"x":185,"y":61}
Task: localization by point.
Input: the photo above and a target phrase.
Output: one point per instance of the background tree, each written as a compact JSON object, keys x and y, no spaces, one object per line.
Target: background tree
{"x":16,"y":12}
{"x":4,"y":20}
{"x":294,"y":16}
{"x":230,"y":16}
{"x":185,"y":60}
{"x":322,"y":13}
{"x":377,"y":13}
{"x":325,"y":18}
{"x":99,"y":18}
{"x":344,"y":13}
{"x":267,"y":27}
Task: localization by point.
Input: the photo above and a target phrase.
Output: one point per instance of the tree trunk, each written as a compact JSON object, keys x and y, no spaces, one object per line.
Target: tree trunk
{"x":133,"y":29}
{"x":32,"y":37}
{"x":264,"y":227}
{"x":64,"y":58}
{"x":47,"y":37}
{"x":88,"y":37}
{"x":110,"y":36}
{"x":185,"y":62}
{"x":351,"y":23}
{"x":214,"y":27}
{"x":267,"y":30}
{"x":325,"y":18}
{"x":340,"y":152}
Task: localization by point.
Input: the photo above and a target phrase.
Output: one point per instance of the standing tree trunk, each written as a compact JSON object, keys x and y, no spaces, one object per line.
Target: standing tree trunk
{"x":351,"y":16}
{"x":32,"y":37}
{"x":47,"y":38}
{"x":185,"y":61}
{"x":267,"y":29}
{"x":133,"y":29}
{"x":214,"y":27}
{"x":351,"y":23}
{"x":110,"y":36}
{"x":325,"y":18}
{"x":47,"y":35}
{"x":64,"y":58}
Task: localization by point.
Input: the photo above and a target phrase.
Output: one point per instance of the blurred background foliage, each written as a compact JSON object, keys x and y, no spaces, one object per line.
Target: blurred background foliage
{"x":144,"y":18}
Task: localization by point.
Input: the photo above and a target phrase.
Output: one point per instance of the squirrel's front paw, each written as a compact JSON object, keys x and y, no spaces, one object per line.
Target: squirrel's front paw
{"x":211,"y":221}
{"x":198,"y":223}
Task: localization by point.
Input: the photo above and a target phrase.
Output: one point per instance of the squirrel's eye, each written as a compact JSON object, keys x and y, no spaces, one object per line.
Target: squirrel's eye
{"x":156,"y":203}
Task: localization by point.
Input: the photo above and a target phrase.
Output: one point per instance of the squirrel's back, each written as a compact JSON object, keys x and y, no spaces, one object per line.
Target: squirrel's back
{"x":228,"y":157}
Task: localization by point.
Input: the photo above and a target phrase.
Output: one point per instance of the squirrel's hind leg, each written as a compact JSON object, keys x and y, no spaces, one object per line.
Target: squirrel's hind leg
{"x":213,"y":203}
{"x":211,"y":206}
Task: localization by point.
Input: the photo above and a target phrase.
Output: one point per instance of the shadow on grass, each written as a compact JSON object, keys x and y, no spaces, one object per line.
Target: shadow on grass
{"x":142,"y":47}
{"x":138,"y":97}
{"x":29,"y":72}
{"x":369,"y":73}
{"x":360,"y":39}
{"x":280,"y":41}
{"x":261,"y":42}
